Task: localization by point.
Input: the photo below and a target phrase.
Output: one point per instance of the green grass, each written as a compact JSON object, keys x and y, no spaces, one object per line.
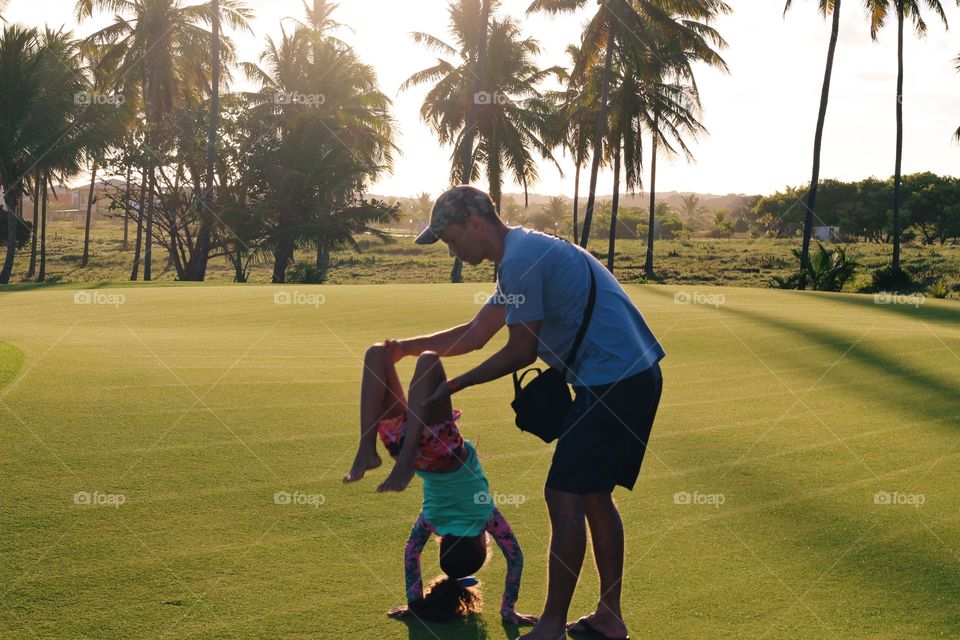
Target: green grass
{"x":197,"y":404}
{"x":700,"y":261}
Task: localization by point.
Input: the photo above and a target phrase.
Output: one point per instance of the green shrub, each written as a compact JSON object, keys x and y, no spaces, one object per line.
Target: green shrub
{"x":827,"y":271}
{"x":894,"y":281}
{"x":306,"y":273}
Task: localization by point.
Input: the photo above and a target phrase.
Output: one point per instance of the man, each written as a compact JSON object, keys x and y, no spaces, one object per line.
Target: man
{"x":541,"y":295}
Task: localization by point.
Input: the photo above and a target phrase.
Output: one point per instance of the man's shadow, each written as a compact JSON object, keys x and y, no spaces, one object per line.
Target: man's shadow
{"x":469,"y":628}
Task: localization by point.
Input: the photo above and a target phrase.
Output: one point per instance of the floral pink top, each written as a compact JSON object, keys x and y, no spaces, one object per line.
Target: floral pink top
{"x":439,"y":443}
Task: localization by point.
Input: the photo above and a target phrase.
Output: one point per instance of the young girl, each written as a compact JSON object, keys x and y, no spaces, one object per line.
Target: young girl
{"x":457,"y":505}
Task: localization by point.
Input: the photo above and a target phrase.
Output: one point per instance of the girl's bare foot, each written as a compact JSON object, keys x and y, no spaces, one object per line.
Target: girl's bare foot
{"x":364,"y":461}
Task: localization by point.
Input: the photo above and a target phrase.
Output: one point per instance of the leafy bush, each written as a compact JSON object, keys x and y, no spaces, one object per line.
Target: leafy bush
{"x":940,"y":289}
{"x":894,"y":281}
{"x":306,"y":273}
{"x":827,"y":271}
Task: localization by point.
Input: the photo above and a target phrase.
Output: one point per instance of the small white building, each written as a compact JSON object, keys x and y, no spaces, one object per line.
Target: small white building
{"x":826,"y":234}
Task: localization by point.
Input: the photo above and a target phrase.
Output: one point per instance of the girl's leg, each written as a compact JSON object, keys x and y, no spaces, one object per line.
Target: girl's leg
{"x":381,"y":396}
{"x":426,"y":378}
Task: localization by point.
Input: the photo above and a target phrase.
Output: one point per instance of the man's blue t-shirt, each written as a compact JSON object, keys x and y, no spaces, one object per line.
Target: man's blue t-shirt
{"x":543,"y":278}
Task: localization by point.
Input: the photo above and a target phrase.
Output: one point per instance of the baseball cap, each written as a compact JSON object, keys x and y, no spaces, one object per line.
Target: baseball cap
{"x":453,"y":206}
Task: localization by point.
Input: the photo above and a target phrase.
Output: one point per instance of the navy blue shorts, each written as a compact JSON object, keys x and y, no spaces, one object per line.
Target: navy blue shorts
{"x":605,"y":434}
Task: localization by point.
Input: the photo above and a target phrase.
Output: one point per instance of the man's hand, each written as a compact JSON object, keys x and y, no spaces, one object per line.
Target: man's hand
{"x":444,"y":390}
{"x":398,"y":479}
{"x":394,"y":349}
{"x":518,"y":618}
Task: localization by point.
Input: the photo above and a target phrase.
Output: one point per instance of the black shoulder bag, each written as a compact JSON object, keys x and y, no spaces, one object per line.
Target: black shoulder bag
{"x":543,"y":403}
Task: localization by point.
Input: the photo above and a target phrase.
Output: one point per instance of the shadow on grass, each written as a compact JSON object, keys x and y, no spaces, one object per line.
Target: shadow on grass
{"x":841,"y":344}
{"x":470,"y":628}
{"x":31,"y":286}
{"x":937,"y":313}
{"x":897,"y":572}
{"x":888,"y":568}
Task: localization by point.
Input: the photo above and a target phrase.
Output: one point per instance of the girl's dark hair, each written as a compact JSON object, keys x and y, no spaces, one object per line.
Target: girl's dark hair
{"x":445,"y":599}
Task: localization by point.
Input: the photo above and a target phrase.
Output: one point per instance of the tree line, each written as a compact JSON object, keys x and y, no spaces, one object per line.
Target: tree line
{"x":257,"y":176}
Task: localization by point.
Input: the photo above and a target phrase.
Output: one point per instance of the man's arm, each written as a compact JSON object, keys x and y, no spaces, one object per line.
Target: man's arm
{"x":457,"y":340}
{"x":520,"y":351}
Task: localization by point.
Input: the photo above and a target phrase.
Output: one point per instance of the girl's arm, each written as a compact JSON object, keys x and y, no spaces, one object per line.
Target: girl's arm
{"x":411,"y":558}
{"x":500,"y":529}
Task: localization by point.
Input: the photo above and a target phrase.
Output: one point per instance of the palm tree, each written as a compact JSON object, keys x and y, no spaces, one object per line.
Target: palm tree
{"x":348,"y":119}
{"x":553,"y":214}
{"x":578,"y":107}
{"x":691,"y":205}
{"x":161,"y":51}
{"x":832,"y":7}
{"x":672,"y":97}
{"x":197,"y":267}
{"x":956,"y":135}
{"x":43,"y":129}
{"x":622,"y":25}
{"x":513,"y":118}
{"x":22,"y":113}
{"x":879,"y":11}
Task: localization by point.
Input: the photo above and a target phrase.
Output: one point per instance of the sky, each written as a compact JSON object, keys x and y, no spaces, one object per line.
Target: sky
{"x":760,"y":117}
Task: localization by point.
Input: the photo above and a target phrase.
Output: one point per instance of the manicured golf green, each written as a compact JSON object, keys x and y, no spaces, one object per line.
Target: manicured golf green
{"x":802,"y":478}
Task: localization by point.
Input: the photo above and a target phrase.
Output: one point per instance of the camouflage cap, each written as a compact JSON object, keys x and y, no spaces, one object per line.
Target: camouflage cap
{"x":453,"y":206}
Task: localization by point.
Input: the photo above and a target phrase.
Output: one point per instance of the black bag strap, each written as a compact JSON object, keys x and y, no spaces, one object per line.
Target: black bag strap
{"x":587,"y":315}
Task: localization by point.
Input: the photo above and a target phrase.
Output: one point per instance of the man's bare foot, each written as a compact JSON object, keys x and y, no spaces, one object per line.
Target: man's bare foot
{"x":364,"y":461}
{"x":608,"y":626}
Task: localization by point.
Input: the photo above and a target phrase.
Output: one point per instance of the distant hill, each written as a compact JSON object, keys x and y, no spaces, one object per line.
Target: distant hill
{"x":712,"y":203}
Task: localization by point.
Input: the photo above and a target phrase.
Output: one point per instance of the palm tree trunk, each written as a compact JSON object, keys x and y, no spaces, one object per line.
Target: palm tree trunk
{"x":126,"y":211}
{"x":134,"y":272}
{"x":323,"y":256}
{"x":614,"y":206}
{"x":86,"y":231}
{"x":817,"y":146}
{"x":897,"y":178}
{"x":576,"y":202}
{"x":42,"y":276}
{"x":10,"y":204}
{"x":197,"y":269}
{"x":598,"y":134}
{"x":456,"y":274}
{"x":282,"y":258}
{"x":148,"y":240}
{"x":36,"y":213}
{"x":648,"y":265}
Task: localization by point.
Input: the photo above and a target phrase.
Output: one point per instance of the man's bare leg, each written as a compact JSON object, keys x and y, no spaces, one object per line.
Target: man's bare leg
{"x":381,"y":396}
{"x":568,"y":543}
{"x":606,"y":530}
